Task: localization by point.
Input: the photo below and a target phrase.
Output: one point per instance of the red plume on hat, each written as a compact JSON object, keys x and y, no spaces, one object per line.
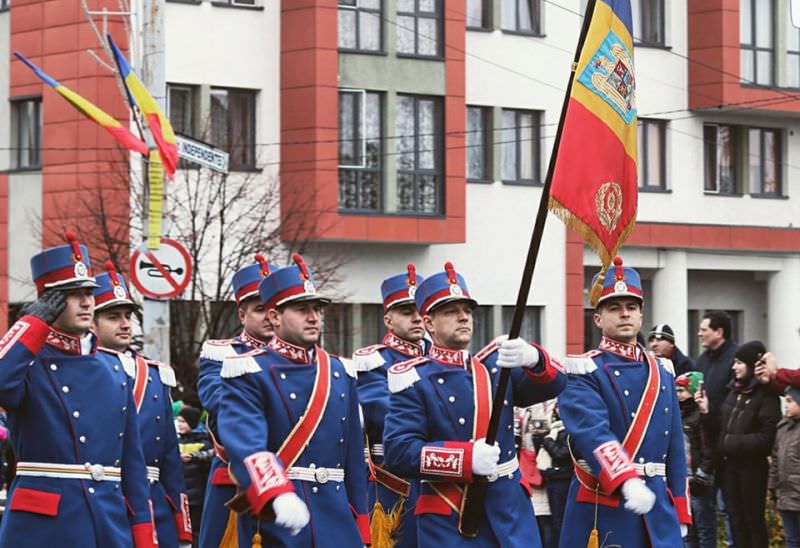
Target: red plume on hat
{"x":301,"y":264}
{"x":72,"y":239}
{"x":264,"y":266}
{"x":619,"y":271}
{"x":112,"y":272}
{"x":412,"y":274}
{"x":451,"y":272}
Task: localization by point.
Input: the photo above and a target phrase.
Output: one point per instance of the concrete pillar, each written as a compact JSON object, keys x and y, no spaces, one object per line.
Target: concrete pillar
{"x":669,"y":301}
{"x":783,"y":323}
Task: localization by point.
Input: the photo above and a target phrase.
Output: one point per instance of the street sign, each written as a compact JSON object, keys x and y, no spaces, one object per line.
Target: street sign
{"x":201,"y":153}
{"x":161,"y":273}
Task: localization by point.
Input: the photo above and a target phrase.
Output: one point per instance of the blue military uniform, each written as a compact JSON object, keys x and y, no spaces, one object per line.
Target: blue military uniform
{"x":371,"y":364}
{"x":81,"y":477}
{"x":440,"y":404}
{"x":265,"y":394}
{"x":623,"y":419}
{"x":150,"y":382}
{"x":221,"y":488}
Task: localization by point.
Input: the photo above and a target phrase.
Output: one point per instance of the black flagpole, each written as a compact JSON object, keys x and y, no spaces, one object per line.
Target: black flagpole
{"x":475,"y":495}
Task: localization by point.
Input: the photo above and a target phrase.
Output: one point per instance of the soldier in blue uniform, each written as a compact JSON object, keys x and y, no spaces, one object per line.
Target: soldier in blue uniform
{"x":404,"y":340}
{"x":150,"y":383}
{"x":289,"y":420}
{"x":81,"y":477}
{"x":622,"y":415}
{"x":439,"y":414}
{"x":256,"y":332}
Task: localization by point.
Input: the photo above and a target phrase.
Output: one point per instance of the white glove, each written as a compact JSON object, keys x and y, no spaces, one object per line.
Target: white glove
{"x":484,"y":458}
{"x":639,"y":499}
{"x":290,"y":512}
{"x":515,"y":353}
{"x":684,"y":530}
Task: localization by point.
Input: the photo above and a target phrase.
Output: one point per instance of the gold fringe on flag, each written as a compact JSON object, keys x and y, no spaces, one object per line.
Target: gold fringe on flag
{"x":383,"y":525}
{"x":230,"y":537}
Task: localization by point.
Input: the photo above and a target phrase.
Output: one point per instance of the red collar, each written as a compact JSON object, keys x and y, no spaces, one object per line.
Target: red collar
{"x":626,"y":350}
{"x":252,"y":341}
{"x":448,"y":355}
{"x":289,"y":351}
{"x":403,"y":346}
{"x":69,"y":344}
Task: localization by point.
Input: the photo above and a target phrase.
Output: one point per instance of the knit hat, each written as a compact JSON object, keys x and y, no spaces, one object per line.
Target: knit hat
{"x":750,"y":352}
{"x":191,"y":416}
{"x":794,"y":392}
{"x":690,"y":381}
{"x":662,"y":331}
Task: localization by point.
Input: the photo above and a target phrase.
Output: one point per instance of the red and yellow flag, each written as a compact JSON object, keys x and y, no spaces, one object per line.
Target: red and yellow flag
{"x":594,"y":187}
{"x":88,"y":109}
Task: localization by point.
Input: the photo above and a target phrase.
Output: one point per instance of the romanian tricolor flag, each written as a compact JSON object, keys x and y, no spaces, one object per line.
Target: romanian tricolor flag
{"x":594,"y":188}
{"x":159,"y":124}
{"x":92,"y":112}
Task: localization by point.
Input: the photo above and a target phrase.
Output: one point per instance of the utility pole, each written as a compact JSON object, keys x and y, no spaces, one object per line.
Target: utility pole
{"x":153,"y":71}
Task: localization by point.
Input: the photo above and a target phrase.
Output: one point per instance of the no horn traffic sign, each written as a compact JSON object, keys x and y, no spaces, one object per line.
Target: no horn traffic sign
{"x":161,"y":273}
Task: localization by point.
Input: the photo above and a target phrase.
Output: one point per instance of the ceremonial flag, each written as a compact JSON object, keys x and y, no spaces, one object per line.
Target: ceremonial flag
{"x":159,"y":125}
{"x":594,"y":187}
{"x":88,"y":109}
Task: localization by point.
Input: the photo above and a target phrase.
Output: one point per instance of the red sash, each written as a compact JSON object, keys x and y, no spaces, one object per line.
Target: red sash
{"x":303,"y":431}
{"x":140,"y":382}
{"x":633,"y":438}
{"x":453,"y":493}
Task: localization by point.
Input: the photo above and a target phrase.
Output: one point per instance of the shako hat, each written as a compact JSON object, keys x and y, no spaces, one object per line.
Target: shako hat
{"x":401,"y":288}
{"x":111,"y":290}
{"x":442,"y":287}
{"x":620,"y":281}
{"x":290,"y":284}
{"x":246,"y":279}
{"x":64,"y":266}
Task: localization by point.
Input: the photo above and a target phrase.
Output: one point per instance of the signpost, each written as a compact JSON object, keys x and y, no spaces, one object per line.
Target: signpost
{"x":203,"y":154}
{"x":162,"y":273}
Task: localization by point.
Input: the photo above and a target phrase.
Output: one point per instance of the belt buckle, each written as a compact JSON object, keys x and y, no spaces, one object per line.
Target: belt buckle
{"x":321,"y":475}
{"x":492,"y":478}
{"x":96,"y":471}
{"x":650,"y":469}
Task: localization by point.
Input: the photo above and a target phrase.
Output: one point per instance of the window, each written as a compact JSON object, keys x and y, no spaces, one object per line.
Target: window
{"x":477,"y":144}
{"x":721,"y":145}
{"x":180,"y":106}
{"x":792,"y":55}
{"x":522,"y":16}
{"x":337,"y":329}
{"x":419,"y":28}
{"x":648,"y":22}
{"x":477,"y":14}
{"x":419,"y":144}
{"x":531,"y":329}
{"x":4,"y":5}
{"x":360,"y":150}
{"x":765,"y":161}
{"x":360,"y":25}
{"x":233,"y":125}
{"x":520,"y":139}
{"x":755,"y":31}
{"x":26,"y":121}
{"x":652,"y":150}
{"x":372,"y":327}
{"x":481,"y":328}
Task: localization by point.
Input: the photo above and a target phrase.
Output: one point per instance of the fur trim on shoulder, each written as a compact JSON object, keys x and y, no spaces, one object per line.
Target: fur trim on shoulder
{"x":404,"y":374}
{"x":236,"y":366}
{"x":578,"y":365}
{"x":368,"y":358}
{"x":167,"y":374}
{"x":349,"y":366}
{"x":217,"y":350}
{"x":667,"y":364}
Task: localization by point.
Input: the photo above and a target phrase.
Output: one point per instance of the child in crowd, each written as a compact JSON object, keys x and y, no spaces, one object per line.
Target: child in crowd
{"x":784,"y":480}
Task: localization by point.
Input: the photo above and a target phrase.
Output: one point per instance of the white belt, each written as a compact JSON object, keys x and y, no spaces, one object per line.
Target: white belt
{"x":316,"y":474}
{"x":505,"y":469}
{"x":651,"y":469}
{"x":153,"y":473}
{"x":88,"y":471}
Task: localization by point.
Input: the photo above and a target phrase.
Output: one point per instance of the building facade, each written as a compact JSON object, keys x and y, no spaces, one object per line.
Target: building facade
{"x":421,"y":130}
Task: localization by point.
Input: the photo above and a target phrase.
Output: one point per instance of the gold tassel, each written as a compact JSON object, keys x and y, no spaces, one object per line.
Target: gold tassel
{"x":230,"y":537}
{"x":257,"y":540}
{"x":383,"y":525}
{"x":597,"y":288}
{"x":593,"y":540}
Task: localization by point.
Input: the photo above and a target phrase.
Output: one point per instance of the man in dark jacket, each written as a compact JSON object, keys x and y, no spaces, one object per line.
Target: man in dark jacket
{"x":715,"y":362}
{"x":662,"y":341}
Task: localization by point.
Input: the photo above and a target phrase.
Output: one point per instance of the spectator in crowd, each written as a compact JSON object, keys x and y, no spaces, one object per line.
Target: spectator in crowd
{"x":778,"y":378}
{"x":784,"y":481}
{"x":196,"y":454}
{"x":746,"y":431}
{"x":662,"y":341}
{"x":700,"y":459}
{"x":555,"y":464}
{"x":534,"y":425}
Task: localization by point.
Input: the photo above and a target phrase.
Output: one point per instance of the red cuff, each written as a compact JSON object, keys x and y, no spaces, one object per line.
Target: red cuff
{"x":28,"y":330}
{"x":452,"y":461}
{"x":144,"y":535}
{"x":548,"y":372}
{"x":615,"y":466}
{"x":267,"y":480}
{"x":683,"y":507}
{"x":183,"y":521}
{"x":362,"y":522}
